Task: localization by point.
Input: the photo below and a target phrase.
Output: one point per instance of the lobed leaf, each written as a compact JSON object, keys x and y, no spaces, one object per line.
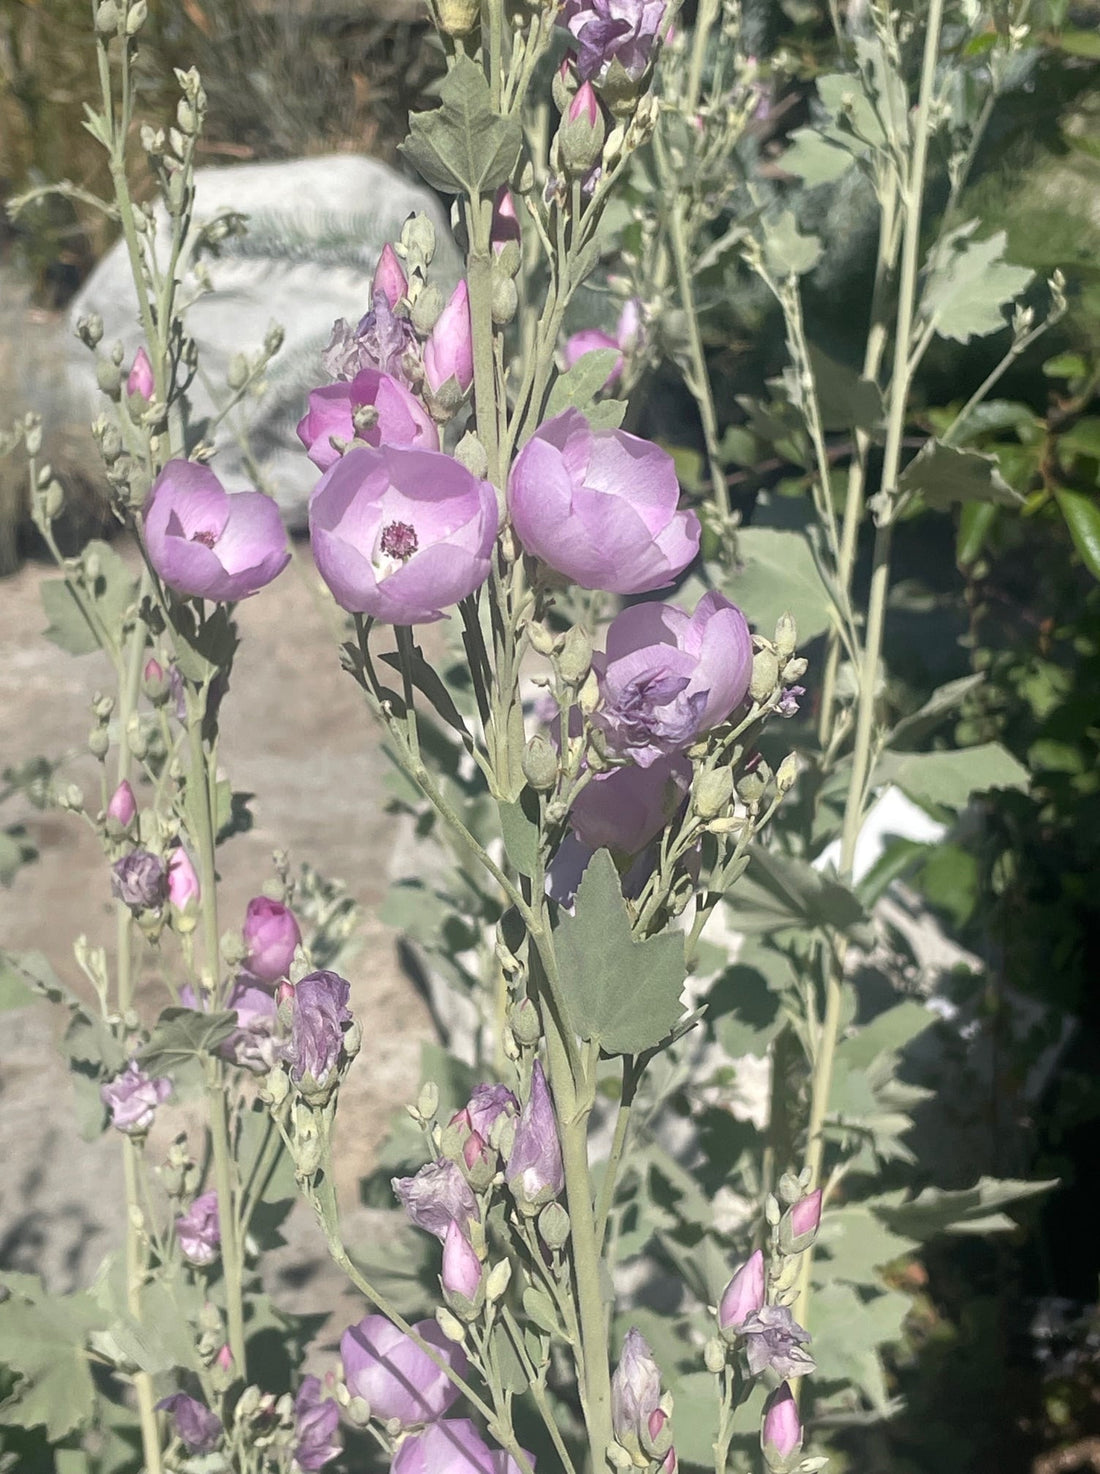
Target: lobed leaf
{"x":463,"y":146}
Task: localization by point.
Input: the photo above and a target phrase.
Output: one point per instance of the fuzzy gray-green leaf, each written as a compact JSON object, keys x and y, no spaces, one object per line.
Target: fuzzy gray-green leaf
{"x":463,"y":146}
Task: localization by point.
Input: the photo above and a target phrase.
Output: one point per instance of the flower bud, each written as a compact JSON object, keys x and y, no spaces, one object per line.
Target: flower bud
{"x":786,"y":635}
{"x":712,"y":791}
{"x":751,"y":788}
{"x":500,"y":1277}
{"x":505,"y":230}
{"x":524,"y":1021}
{"x":540,"y":763}
{"x":99,"y":744}
{"x":798,"y":1226}
{"x":563,"y":86}
{"x":389,"y":277}
{"x":462,"y":1276}
{"x":575,"y":658}
{"x":449,"y":351}
{"x":714,"y":1356}
{"x":743,"y":1296}
{"x":106,"y":18}
{"x":781,"y":1432}
{"x":534,"y":1169}
{"x":136,"y":17}
{"x":154,"y":682}
{"x":554,"y":1226}
{"x":582,"y":131}
{"x":89,"y":329}
{"x":795,"y":668}
{"x":765,"y":675}
{"x":418,"y":239}
{"x":457,"y":17}
{"x":450,"y":1325}
{"x":139,"y":380}
{"x":426,"y":310}
{"x":123,"y":806}
{"x":108,"y":376}
{"x":183,"y":883}
{"x":271,"y":935}
{"x":505,"y":299}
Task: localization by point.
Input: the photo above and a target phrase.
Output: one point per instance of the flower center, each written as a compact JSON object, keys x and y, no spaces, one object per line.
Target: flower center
{"x":208,"y":539}
{"x":399,"y":540}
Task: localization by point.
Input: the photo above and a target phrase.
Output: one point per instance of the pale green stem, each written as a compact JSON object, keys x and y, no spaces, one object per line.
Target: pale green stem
{"x":611,"y":1173}
{"x":135,"y":1274}
{"x":538,"y":1390}
{"x":880,"y":578}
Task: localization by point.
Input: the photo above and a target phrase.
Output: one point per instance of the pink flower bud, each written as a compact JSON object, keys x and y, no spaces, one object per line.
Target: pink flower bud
{"x":140,"y":378}
{"x":271,"y":934}
{"x":389,"y":277}
{"x":154,"y":671}
{"x":744,"y":1295}
{"x":585,"y":106}
{"x":123,"y":806}
{"x":805,"y":1216}
{"x":183,"y":883}
{"x":781,"y":1435}
{"x":505,"y":226}
{"x":582,"y":132}
{"x":225,"y":1358}
{"x":284,"y":993}
{"x":449,"y":351}
{"x":461,"y":1266}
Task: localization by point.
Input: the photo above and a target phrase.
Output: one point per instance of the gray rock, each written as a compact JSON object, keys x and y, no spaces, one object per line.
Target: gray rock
{"x":315,"y":230}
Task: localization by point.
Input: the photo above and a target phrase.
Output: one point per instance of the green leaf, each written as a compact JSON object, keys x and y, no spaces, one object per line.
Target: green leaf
{"x":969,"y":1210}
{"x":538,"y":1306}
{"x":846,"y":400}
{"x":778,"y":574}
{"x":14,"y":991}
{"x":787,"y":252}
{"x":848,"y":1330}
{"x":948,"y":779}
{"x":619,"y":991}
{"x":976,"y":520}
{"x":519,"y":827}
{"x":969,"y":283}
{"x":854,"y":1243}
{"x":184,"y":1034}
{"x":942,"y":476}
{"x":579,"y":385}
{"x":463,"y":146}
{"x":1082,"y":517}
{"x":945,"y":700}
{"x":606,"y":414}
{"x":780,"y":891}
{"x":887,"y":1033}
{"x":815,"y":157}
{"x":1078,"y":43}
{"x":745,"y":1002}
{"x":42,"y":1339}
{"x":110,"y":592}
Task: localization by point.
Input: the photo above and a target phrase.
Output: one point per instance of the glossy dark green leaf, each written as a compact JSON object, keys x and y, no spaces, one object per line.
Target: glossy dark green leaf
{"x":1082,"y":517}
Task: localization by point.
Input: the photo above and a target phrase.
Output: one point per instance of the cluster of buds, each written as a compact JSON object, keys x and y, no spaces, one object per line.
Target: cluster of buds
{"x":776,"y":669}
{"x":640,"y":1413}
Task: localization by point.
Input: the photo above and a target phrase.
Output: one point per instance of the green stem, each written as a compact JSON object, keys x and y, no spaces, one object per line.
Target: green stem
{"x":479,"y":284}
{"x":618,"y":1143}
{"x":538,"y":1390}
{"x":135,"y":1274}
{"x":876,"y":619}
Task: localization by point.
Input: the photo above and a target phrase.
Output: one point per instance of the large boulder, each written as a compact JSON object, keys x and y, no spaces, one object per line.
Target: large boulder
{"x":315,"y":230}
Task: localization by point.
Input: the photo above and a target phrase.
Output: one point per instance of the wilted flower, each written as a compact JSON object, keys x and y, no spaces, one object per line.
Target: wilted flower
{"x":253,"y":1044}
{"x":773,"y":1338}
{"x":484,"y":1108}
{"x":198,"y":1231}
{"x":635,"y":1388}
{"x":437,"y":1195}
{"x":394,"y":1375}
{"x":319,"y":1011}
{"x":622,"y":810}
{"x":534,"y":1170}
{"x":607,"y":31}
{"x":138,"y":881}
{"x":781,"y":1433}
{"x":396,"y":417}
{"x":744,"y":1295}
{"x":271,"y":935}
{"x":788,"y":703}
{"x":389,"y":277}
{"x":452,"y":1446}
{"x":667,"y":677}
{"x":449,"y":351}
{"x":140,"y":378}
{"x":183,"y":883}
{"x":132,"y":1098}
{"x":461,"y":1273}
{"x":208,"y":543}
{"x":123,"y":806}
{"x":600,"y":507}
{"x":194,"y":1424}
{"x":316,"y":1427}
{"x":402,"y":534}
{"x":380,"y":341}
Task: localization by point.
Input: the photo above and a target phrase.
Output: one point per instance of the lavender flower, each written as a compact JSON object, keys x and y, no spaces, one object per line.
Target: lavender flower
{"x":198,"y":1231}
{"x":139,"y":881}
{"x":380,"y":341}
{"x":436,"y":1196}
{"x":193,"y":1424}
{"x":316,"y":1427}
{"x":668,"y":677}
{"x":590,"y":340}
{"x":388,"y":1370}
{"x":461,"y":1272}
{"x":123,"y":806}
{"x":389,"y":277}
{"x":396,"y":417}
{"x":781,"y":1432}
{"x":449,"y":351}
{"x":254,"y":1044}
{"x":183,"y":883}
{"x":271,"y":935}
{"x":139,"y":380}
{"x":743,"y":1297}
{"x":486,"y":1106}
{"x":402,"y":534}
{"x":319,"y":1013}
{"x":774,"y":1339}
{"x":788,"y":703}
{"x":534,"y":1170}
{"x":600,"y":507}
{"x":132,"y":1098}
{"x":624,"y":809}
{"x":607,"y":31}
{"x":635,"y":1389}
{"x":452,"y":1446}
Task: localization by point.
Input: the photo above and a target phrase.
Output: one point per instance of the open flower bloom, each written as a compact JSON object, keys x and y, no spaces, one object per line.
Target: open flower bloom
{"x":337,"y":409}
{"x":392,"y":1373}
{"x":436,"y":1196}
{"x":667,"y":677}
{"x":624,"y":809}
{"x":402,"y":534}
{"x":452,"y":1446}
{"x":132,"y":1098}
{"x":600,"y":507}
{"x":607,"y":31}
{"x":194,"y":1424}
{"x":209,"y":543}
